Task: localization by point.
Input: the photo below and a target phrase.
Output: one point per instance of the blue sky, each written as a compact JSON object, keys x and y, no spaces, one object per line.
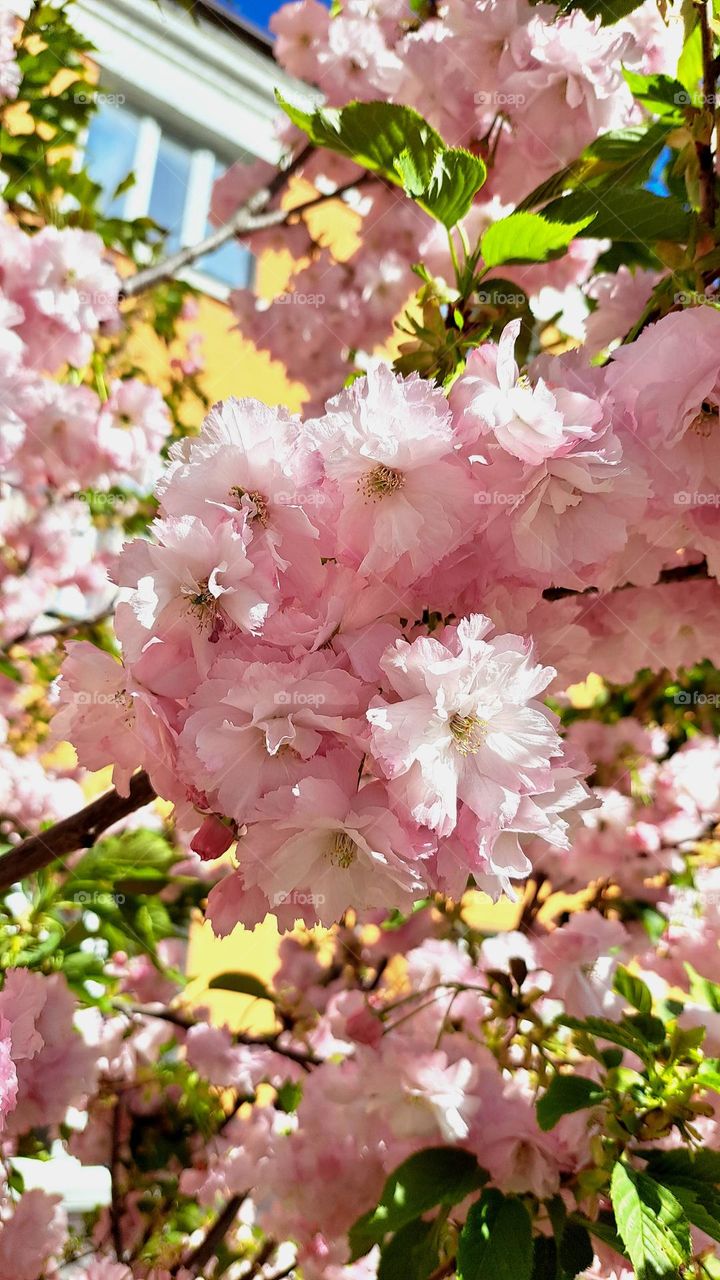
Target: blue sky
{"x":256,"y":11}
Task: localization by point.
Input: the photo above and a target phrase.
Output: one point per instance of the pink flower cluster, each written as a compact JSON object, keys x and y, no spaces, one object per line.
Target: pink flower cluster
{"x":38,"y":1043}
{"x":275,"y":681}
{"x":57,"y":295}
{"x":287,"y":673}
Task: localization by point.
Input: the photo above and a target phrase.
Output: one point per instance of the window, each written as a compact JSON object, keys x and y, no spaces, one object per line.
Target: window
{"x":174,"y":180}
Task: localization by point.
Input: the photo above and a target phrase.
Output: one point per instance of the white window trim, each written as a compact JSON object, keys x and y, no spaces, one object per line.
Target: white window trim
{"x":144,"y":164}
{"x":196,"y":79}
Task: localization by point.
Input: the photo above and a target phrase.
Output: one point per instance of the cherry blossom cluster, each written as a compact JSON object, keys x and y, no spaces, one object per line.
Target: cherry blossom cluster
{"x":397,"y":1038}
{"x":308,"y":658}
{"x":60,"y":438}
{"x":531,"y":87}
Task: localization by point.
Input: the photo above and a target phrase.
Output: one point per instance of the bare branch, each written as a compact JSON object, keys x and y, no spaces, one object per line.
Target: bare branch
{"x":704,"y":145}
{"x":683,"y":573}
{"x":79,"y":831}
{"x":255,"y":215}
{"x":203,"y":1252}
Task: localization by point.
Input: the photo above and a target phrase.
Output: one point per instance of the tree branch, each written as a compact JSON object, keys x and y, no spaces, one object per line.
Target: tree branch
{"x":196,"y":1260}
{"x":65,"y":627}
{"x":79,"y":831}
{"x":704,"y":147}
{"x":241,"y":224}
{"x":250,"y":211}
{"x":176,"y":1018}
{"x":115,"y":1200}
{"x":682,"y":573}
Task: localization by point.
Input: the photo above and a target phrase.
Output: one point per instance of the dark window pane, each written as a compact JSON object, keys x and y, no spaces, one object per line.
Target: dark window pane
{"x":110,"y":151}
{"x":233,"y":263}
{"x":169,"y":189}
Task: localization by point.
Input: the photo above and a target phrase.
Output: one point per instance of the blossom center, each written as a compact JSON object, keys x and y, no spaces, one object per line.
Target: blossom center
{"x":203,"y":603}
{"x":343,"y":850}
{"x":258,"y":500}
{"x":468,"y":733}
{"x":380,"y":482}
{"x":702,"y":424}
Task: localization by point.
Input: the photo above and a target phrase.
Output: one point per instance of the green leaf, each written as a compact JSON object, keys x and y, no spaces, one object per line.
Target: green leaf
{"x":622,"y":155}
{"x":496,"y":1242}
{"x":690,"y":65}
{"x":661,"y":94}
{"x":709,"y":1074}
{"x":134,"y":855}
{"x":396,"y":141}
{"x":633,"y":989}
{"x":438,"y":1175}
{"x":411,"y":1252}
{"x":575,"y":1250}
{"x":545,"y":1261}
{"x":565,"y":1094}
{"x":602,"y":1227}
{"x":703,"y":990}
{"x":700,"y":1165}
{"x":702,"y":1207}
{"x":651,"y":1222}
{"x":8,"y":668}
{"x":245,"y":984}
{"x":528,"y":237}
{"x":624,"y":213}
{"x":616,"y":1033}
{"x":608,"y":11}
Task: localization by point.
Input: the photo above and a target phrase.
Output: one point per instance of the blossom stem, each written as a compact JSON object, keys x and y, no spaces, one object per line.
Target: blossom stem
{"x":79,"y":831}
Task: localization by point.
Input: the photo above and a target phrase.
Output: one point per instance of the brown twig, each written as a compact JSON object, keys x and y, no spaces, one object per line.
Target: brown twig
{"x":252,"y":216}
{"x":79,"y":831}
{"x":704,"y":145}
{"x":256,"y":205}
{"x":66,"y":627}
{"x":185,"y":1021}
{"x":205,"y":1250}
{"x":115,"y":1200}
{"x":682,"y":573}
{"x":447,"y":1269}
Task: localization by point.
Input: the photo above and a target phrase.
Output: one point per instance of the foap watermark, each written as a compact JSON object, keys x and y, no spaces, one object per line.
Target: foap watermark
{"x":100,"y":99}
{"x":686,"y":698}
{"x":313,"y":498}
{"x":293,"y":298}
{"x":487,"y":499}
{"x":493,"y":298}
{"x":683,"y":98}
{"x":98,"y":500}
{"x":93,"y":698}
{"x":98,"y":898}
{"x":297,"y":898}
{"x":485,"y":98}
{"x":298,"y":698}
{"x":694,"y":298}
{"x":685,"y":499}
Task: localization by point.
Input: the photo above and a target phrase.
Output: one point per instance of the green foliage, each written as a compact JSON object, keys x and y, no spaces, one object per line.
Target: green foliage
{"x":436,"y":1176}
{"x":528,"y":237}
{"x":624,"y":213}
{"x":608,"y":11}
{"x":651,"y":1223}
{"x":243,"y":983}
{"x":396,"y":142}
{"x":566,"y":1093}
{"x":42,"y":179}
{"x":496,"y":1241}
{"x":635,"y":991}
